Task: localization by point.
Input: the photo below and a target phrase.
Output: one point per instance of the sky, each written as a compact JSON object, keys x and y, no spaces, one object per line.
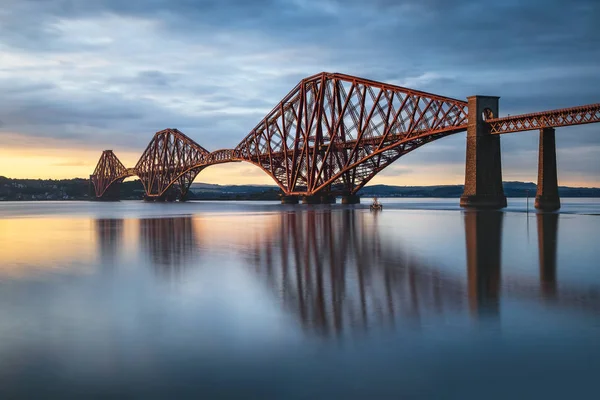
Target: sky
{"x":79,"y":76}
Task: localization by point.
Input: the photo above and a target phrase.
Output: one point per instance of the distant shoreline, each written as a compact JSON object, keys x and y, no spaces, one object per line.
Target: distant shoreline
{"x":81,"y":189}
{"x":274,"y":200}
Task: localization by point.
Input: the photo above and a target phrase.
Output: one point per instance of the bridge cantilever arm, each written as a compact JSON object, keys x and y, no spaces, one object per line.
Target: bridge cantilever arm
{"x":546,"y":119}
{"x":222,"y":156}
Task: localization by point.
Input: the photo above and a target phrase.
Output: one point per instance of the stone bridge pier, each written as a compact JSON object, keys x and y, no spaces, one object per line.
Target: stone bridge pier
{"x":547,"y":198}
{"x":483,"y":171}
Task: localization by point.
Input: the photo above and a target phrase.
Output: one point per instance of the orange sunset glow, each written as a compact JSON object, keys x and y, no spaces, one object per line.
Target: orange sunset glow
{"x":55,"y":162}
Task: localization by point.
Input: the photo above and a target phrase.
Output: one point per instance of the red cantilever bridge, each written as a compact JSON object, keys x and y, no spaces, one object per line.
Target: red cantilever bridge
{"x":332,"y":133}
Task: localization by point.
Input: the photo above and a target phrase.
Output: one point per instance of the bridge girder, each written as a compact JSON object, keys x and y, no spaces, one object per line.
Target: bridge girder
{"x":331,"y":133}
{"x":546,"y":119}
{"x":334,"y":132}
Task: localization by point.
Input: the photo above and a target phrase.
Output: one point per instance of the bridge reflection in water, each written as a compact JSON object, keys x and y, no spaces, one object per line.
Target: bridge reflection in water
{"x":168,"y":243}
{"x":171,"y":243}
{"x":547,"y":229}
{"x":109,"y":235}
{"x":337,"y":273}
{"x":483,"y":232}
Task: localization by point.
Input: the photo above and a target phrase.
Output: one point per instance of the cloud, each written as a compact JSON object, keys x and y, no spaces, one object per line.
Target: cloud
{"x":108,"y":73}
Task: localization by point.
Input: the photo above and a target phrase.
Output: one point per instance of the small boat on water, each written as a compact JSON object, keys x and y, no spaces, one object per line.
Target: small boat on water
{"x":376,"y":205}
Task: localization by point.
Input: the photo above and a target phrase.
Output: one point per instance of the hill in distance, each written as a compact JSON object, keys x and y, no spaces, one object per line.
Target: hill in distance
{"x":511,"y":189}
{"x":79,"y":189}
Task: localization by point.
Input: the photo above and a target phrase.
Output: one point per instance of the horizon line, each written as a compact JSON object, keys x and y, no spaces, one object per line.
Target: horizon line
{"x":275,"y":186}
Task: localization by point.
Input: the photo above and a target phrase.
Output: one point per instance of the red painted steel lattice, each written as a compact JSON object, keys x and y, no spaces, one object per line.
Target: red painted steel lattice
{"x":334,"y":132}
{"x":108,"y":171}
{"x":170,"y":158}
{"x":546,"y":119}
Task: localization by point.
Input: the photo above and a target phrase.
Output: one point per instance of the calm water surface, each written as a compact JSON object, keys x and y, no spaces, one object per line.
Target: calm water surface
{"x":259,"y":300}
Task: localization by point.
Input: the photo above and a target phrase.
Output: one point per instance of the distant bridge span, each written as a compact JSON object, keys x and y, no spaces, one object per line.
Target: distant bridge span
{"x":333,"y":133}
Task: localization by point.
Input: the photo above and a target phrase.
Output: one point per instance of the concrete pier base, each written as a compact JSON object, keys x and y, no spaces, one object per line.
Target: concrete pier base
{"x":155,"y":199}
{"x":183,"y":197}
{"x":483,"y":171}
{"x":547,"y":204}
{"x":351,"y":199}
{"x":311,"y":199}
{"x":547,"y":198}
{"x":289,"y":199}
{"x":328,"y":199}
{"x":483,"y":202}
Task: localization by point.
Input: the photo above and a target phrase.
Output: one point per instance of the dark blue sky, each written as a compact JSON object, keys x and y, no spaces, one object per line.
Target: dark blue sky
{"x":98,"y":74}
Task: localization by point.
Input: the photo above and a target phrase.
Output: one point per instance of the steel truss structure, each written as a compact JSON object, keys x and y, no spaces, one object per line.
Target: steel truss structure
{"x":546,"y":119}
{"x":331,"y":134}
{"x":109,"y":170}
{"x":171,"y":158}
{"x":334,"y":132}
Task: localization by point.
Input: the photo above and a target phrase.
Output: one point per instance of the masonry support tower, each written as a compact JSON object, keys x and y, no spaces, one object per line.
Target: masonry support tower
{"x":547,"y":198}
{"x":483,"y":172}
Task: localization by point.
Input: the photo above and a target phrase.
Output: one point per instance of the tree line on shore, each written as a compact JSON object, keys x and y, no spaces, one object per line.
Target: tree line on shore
{"x":81,"y":189}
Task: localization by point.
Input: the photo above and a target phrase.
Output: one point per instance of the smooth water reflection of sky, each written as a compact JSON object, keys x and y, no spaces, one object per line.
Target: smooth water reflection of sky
{"x":240,"y":299}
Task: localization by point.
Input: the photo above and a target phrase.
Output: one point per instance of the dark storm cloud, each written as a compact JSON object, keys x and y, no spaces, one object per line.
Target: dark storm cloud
{"x":113,"y":71}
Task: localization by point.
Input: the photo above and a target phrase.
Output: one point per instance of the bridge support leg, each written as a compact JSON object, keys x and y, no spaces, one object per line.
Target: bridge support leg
{"x":91,"y":188}
{"x":547,"y":198}
{"x":311,"y":200}
{"x":351,"y":199}
{"x":483,"y":171}
{"x":289,"y":199}
{"x":183,"y":197}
